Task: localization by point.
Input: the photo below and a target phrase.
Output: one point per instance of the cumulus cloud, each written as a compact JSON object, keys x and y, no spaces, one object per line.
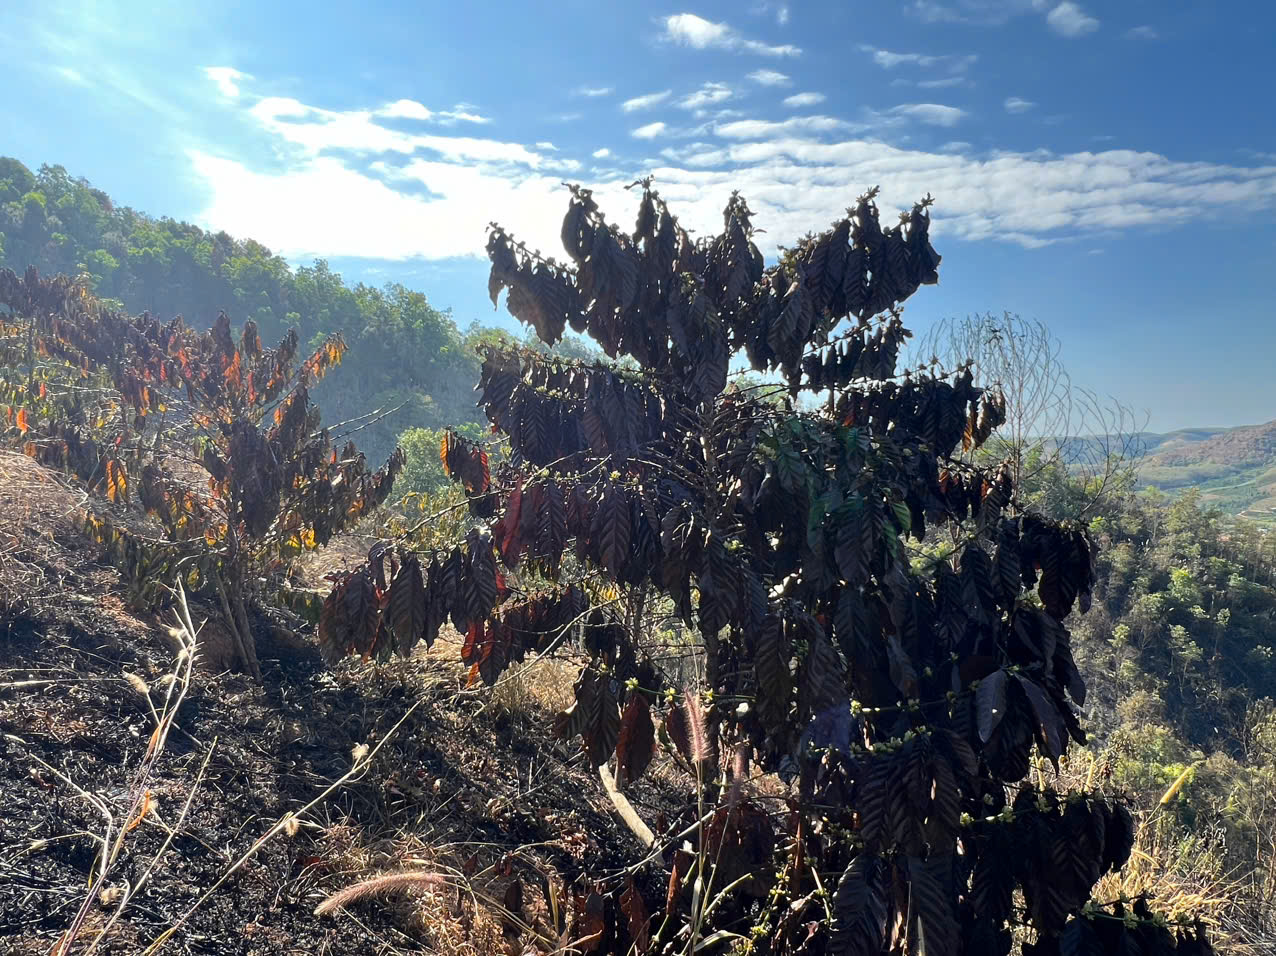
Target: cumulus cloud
{"x":888,"y":59}
{"x":766,"y":129}
{"x":461,"y":113}
{"x":769,"y":78}
{"x":798,"y":100}
{"x":646,"y":101}
{"x":650,"y":131}
{"x":314,"y":130}
{"x":338,"y":183}
{"x":708,"y":95}
{"x":1069,"y":20}
{"x":601,"y":153}
{"x":687,"y":29}
{"x":1015,"y":104}
{"x":405,"y":109}
{"x":933,"y":114}
{"x":226,"y":77}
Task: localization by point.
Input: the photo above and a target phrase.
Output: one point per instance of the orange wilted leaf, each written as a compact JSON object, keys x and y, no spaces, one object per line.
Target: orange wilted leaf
{"x":22,"y":421}
{"x":232,"y":375}
{"x":141,"y":813}
{"x":116,"y":481}
{"x":44,"y":390}
{"x":443,"y":453}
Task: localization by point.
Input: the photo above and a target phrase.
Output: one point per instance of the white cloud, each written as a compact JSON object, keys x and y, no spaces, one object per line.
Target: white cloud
{"x":331,"y":207}
{"x":411,"y":109}
{"x":405,"y":109}
{"x":308,"y":200}
{"x":650,"y":131}
{"x":956,"y":146}
{"x":888,"y":60}
{"x":1144,"y":32}
{"x":1015,"y":104}
{"x":707,"y":95}
{"x":547,"y":146}
{"x":769,"y":78}
{"x":983,"y":12}
{"x":942,"y":83}
{"x":227,"y":79}
{"x":765,"y":129}
{"x":933,"y":114}
{"x":646,"y":101}
{"x":782,"y":14}
{"x":601,"y":153}
{"x":798,"y":100}
{"x":1258,"y":154}
{"x":687,"y":29}
{"x":694,"y":31}
{"x":1069,"y":20}
{"x":314,"y":130}
{"x":595,"y":91}
{"x":462,"y":113}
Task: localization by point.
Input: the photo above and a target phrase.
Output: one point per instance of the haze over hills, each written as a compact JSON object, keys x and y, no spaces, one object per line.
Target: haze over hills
{"x":1234,"y":467}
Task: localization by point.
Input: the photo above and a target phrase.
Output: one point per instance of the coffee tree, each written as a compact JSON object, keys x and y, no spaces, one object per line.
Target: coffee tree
{"x":211,"y":434}
{"x":903,"y":694}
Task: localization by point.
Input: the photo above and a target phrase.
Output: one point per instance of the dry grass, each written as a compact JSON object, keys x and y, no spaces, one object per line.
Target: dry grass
{"x":1185,"y":877}
{"x":456,"y":896}
{"x":543,"y":685}
{"x":345,"y":552}
{"x":1183,"y":874}
{"x":39,"y":505}
{"x":44,"y":552}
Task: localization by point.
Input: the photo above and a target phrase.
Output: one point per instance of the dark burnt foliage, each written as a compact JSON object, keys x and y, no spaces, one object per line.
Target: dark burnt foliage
{"x":211,"y":433}
{"x":902,"y":694}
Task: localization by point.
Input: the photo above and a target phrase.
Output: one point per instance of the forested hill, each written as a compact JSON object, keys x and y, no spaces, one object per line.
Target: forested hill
{"x":1235,"y":468}
{"x":403,"y":349}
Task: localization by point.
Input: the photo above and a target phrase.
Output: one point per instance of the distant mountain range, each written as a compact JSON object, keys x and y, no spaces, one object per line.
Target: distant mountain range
{"x":1234,"y":467}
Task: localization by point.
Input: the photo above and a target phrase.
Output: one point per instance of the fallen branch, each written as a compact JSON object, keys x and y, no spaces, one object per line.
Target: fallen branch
{"x":625,"y":808}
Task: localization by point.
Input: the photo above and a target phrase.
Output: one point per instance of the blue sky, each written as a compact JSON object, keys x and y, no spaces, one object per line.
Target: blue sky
{"x":1107,"y":167}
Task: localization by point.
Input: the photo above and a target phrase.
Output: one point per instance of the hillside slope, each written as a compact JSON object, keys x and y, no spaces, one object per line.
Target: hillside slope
{"x":1234,"y":467}
{"x":1236,"y":447}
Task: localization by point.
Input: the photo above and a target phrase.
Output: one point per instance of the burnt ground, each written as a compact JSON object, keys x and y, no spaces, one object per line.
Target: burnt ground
{"x":470,"y":786}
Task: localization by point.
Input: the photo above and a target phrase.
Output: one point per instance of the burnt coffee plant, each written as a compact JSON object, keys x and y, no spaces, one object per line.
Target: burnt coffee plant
{"x":212,"y":435}
{"x":903,"y":694}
